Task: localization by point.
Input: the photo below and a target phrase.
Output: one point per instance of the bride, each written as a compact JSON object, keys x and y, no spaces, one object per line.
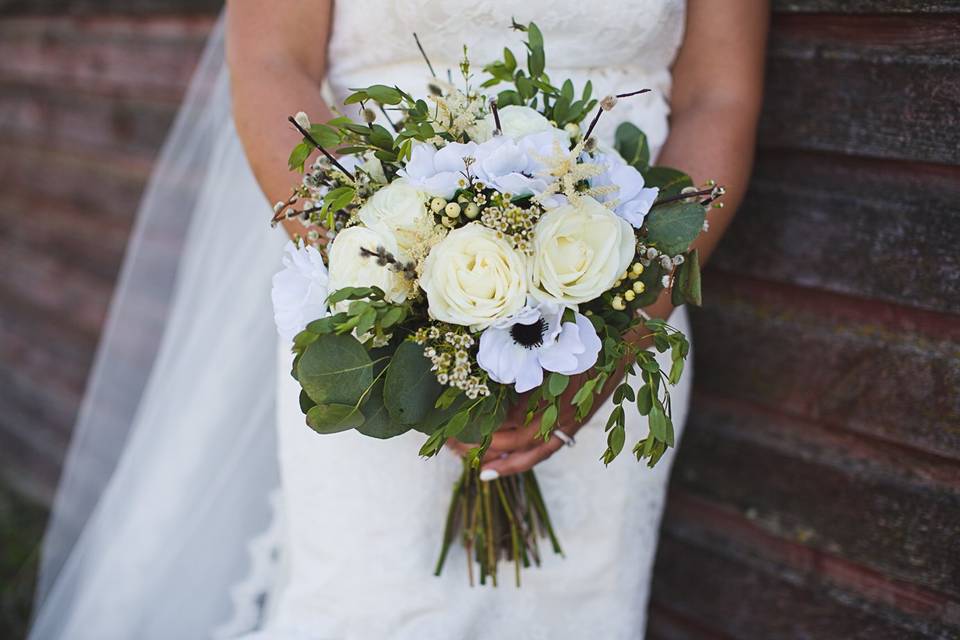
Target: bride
{"x":194,"y":502}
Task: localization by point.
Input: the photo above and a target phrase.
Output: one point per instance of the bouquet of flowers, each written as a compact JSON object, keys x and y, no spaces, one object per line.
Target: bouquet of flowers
{"x":475,"y":251}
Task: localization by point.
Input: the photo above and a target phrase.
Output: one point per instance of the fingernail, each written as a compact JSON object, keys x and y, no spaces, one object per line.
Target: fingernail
{"x":489,"y":474}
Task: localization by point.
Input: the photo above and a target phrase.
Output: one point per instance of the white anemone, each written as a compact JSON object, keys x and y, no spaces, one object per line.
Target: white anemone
{"x":517,"y":350}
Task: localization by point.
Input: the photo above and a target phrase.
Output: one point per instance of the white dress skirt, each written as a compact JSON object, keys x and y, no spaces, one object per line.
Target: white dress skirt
{"x":363,"y":517}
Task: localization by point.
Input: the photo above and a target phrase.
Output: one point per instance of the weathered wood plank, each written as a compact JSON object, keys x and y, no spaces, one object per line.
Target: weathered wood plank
{"x":887,"y":372}
{"x":50,"y":285}
{"x":99,"y":7}
{"x":873,"y":228}
{"x":865,"y":85}
{"x":146,"y":59}
{"x":104,"y":184}
{"x":80,"y":119}
{"x":755,"y":602}
{"x":708,"y":525}
{"x":79,"y":239}
{"x":664,"y":624}
{"x":878,"y":506}
{"x":866,"y":6}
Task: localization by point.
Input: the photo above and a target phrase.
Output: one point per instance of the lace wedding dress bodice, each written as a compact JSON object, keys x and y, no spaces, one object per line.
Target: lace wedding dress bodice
{"x":618,"y":45}
{"x":363,"y":517}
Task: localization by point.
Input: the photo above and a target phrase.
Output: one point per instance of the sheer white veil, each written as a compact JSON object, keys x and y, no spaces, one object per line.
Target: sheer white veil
{"x":173,"y":460}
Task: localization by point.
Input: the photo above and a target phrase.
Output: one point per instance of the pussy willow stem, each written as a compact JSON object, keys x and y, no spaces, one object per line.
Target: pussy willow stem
{"x":306,"y":134}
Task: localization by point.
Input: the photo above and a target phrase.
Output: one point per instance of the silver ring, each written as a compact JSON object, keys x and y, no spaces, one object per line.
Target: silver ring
{"x":564,"y":438}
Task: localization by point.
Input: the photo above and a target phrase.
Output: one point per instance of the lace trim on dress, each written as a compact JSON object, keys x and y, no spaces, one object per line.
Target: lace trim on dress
{"x":253,"y":597}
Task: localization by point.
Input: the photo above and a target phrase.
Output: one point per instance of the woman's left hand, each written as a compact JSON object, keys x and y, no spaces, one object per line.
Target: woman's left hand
{"x":516,"y":448}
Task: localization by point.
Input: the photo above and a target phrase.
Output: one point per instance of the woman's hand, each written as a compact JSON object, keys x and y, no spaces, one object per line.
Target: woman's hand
{"x":517,"y":448}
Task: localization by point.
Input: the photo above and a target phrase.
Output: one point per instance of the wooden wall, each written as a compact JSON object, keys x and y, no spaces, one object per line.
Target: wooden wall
{"x":817,"y":494}
{"x":817,"y":491}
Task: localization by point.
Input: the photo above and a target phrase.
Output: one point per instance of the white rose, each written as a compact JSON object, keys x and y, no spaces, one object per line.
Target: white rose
{"x":580,"y":249}
{"x":515,"y":122}
{"x":299,"y":290}
{"x":350,"y":268}
{"x":472,"y":277}
{"x":399,"y":211}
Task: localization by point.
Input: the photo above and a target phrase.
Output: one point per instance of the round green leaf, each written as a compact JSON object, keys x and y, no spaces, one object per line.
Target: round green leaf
{"x":335,"y":369}
{"x":410,"y":390}
{"x":672,"y":227}
{"x":333,"y":418}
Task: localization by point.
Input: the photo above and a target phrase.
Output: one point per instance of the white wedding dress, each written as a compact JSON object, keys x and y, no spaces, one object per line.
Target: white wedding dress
{"x":194,"y":501}
{"x":363,"y":517}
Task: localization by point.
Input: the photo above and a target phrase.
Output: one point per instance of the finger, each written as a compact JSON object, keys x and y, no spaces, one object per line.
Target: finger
{"x":515,"y":439}
{"x":520,"y":461}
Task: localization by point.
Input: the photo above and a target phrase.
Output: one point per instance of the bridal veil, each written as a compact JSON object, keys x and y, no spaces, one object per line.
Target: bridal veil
{"x":173,"y":458}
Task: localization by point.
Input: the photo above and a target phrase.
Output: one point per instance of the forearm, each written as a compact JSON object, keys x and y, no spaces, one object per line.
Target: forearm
{"x":262,"y":101}
{"x":711,"y":141}
{"x":276,"y":54}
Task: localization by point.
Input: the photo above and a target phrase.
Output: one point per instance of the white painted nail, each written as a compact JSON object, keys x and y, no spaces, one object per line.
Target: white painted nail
{"x":489,"y":474}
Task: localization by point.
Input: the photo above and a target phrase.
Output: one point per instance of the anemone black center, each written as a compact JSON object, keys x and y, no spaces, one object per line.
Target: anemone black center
{"x":529,"y":336}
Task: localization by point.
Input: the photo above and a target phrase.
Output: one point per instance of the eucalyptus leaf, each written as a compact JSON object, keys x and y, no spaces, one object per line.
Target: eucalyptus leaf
{"x":333,"y":418}
{"x":631,"y":143}
{"x":672,"y":227}
{"x":335,"y":369}
{"x":668,"y":180}
{"x":411,"y":388}
{"x":305,"y":402}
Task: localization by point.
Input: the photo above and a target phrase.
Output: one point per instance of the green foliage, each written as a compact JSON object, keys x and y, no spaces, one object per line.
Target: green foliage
{"x":335,"y":369}
{"x":631,"y":143}
{"x":377,"y":420}
{"x":670,"y":181}
{"x":410,"y":390}
{"x":532,"y":85}
{"x":672,"y":227}
{"x":333,"y":418}
{"x":686,"y":286}
{"x":651,"y":396}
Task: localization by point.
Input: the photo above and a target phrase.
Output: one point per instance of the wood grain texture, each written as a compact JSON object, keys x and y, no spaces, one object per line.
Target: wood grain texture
{"x":873,"y":505}
{"x":817,"y":489}
{"x":865,"y":85}
{"x":867,"y":6}
{"x":882,"y":371}
{"x":868,"y":228}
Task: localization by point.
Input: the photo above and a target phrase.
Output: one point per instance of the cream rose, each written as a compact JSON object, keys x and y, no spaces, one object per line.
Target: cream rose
{"x":515,"y":122}
{"x":349,"y":268}
{"x":472,"y":277}
{"x":579,"y":252}
{"x":398,"y":210}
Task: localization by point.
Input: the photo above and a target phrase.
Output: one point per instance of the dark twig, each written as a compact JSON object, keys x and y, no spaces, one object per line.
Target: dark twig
{"x":496,"y":115}
{"x":424,"y":54}
{"x":605,"y":106}
{"x":713,"y":192}
{"x":311,"y":140}
{"x":387,"y":116}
